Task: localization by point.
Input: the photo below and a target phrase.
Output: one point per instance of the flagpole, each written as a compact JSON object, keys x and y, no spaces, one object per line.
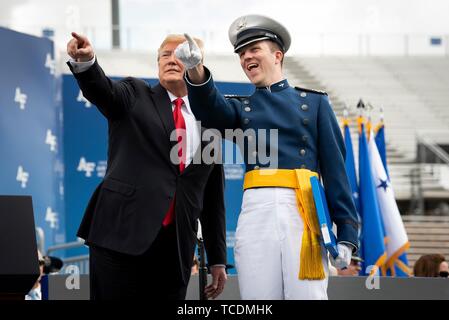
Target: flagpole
{"x":369,"y":126}
{"x":361,"y":108}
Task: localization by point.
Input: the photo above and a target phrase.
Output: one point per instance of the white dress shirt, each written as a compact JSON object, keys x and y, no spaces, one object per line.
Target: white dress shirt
{"x":192,"y":127}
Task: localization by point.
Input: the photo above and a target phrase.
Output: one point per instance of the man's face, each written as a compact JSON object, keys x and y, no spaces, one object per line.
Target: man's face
{"x":260,"y":64}
{"x":171,"y":70}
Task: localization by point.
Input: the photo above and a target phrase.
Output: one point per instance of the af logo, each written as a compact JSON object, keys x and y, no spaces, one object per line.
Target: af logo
{"x":22,"y":177}
{"x":81,"y":98}
{"x":50,"y":139}
{"x":20,"y":98}
{"x":50,"y":64}
{"x":52,"y":218}
{"x":87,"y":167}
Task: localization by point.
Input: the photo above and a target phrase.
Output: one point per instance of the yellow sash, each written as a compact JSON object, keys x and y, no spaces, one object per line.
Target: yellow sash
{"x":311,"y":265}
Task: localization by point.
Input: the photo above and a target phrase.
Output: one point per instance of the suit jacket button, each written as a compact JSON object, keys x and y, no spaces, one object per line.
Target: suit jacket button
{"x":246,"y":121}
{"x":256,"y":167}
{"x":246,"y":101}
{"x":302,"y":152}
{"x":304,"y":107}
{"x":305,"y":121}
{"x":303,"y":166}
{"x":303,"y":94}
{"x":304,"y":138}
{"x":247,"y":109}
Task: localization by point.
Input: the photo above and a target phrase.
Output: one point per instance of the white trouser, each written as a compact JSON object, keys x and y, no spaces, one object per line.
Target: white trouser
{"x":267,"y":249}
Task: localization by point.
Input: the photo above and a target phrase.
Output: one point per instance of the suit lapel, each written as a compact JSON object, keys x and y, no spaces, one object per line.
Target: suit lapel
{"x":163,"y":107}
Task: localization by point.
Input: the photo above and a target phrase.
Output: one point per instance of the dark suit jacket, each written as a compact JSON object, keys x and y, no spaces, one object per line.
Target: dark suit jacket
{"x":126,"y":210}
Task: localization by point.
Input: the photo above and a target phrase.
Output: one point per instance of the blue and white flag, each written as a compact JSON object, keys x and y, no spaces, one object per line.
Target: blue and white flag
{"x":395,"y":232}
{"x":373,"y":246}
{"x":381,"y":146}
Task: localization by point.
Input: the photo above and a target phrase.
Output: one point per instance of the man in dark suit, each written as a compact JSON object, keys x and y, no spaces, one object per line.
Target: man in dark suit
{"x":140,"y":223}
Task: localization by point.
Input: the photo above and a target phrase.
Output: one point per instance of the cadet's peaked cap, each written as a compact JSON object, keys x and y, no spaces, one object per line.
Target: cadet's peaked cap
{"x":251,"y":28}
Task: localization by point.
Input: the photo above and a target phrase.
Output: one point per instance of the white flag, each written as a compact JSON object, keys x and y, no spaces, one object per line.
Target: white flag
{"x":397,"y":240}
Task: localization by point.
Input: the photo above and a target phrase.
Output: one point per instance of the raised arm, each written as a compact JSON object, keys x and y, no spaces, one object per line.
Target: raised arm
{"x":113,"y":98}
{"x":207,"y":103}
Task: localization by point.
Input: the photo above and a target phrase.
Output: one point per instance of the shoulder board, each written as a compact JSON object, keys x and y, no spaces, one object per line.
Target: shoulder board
{"x":235,"y":96}
{"x":311,"y":90}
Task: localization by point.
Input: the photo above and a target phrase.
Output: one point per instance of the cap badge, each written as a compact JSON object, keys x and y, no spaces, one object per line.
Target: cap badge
{"x":242,"y":24}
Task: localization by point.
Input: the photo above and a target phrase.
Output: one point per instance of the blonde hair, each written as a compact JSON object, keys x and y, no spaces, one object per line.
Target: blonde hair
{"x":178,"y":39}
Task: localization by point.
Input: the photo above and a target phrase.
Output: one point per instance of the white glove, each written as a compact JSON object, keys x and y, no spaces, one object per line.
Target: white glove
{"x":189,"y":53}
{"x":344,"y":257}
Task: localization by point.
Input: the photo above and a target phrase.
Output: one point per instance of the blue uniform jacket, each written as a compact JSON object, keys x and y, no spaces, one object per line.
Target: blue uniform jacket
{"x":308,"y":137}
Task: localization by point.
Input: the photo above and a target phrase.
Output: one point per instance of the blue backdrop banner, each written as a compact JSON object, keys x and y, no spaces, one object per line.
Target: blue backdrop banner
{"x":30,"y":130}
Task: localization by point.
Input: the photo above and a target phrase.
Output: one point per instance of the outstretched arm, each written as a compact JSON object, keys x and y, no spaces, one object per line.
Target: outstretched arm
{"x":113,"y":98}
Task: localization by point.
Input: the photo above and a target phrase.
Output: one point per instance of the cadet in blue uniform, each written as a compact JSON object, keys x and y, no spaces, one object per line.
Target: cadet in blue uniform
{"x":278,"y":253}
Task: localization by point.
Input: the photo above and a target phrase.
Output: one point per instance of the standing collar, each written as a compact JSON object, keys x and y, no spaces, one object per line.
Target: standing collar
{"x":278,"y":86}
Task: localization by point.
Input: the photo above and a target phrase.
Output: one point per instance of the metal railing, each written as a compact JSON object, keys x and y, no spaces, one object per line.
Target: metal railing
{"x":80,"y":262}
{"x":428,"y":151}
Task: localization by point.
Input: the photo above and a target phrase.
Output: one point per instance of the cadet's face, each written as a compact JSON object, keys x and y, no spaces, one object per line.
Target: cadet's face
{"x":260,"y":64}
{"x":171,"y":69}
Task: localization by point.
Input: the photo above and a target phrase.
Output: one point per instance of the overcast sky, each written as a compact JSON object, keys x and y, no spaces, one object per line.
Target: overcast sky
{"x":144,"y":23}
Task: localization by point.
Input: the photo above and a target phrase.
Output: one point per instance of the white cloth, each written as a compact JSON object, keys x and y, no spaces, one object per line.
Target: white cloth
{"x":193,"y":129}
{"x":34,"y":294}
{"x":267,"y":249}
{"x":81,"y":66}
{"x":344,"y":257}
{"x":189,"y":53}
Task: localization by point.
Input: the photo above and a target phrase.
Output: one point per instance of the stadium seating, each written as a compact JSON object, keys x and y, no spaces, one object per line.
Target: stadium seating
{"x":413,"y":94}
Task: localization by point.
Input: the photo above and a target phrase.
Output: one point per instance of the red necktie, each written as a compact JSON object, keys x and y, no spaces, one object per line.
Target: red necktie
{"x":180,"y":133}
{"x":180,"y":126}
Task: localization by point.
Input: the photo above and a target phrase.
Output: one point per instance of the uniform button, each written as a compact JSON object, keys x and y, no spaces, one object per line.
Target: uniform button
{"x":246,"y":121}
{"x":246,"y":101}
{"x":247,"y":109}
{"x":304,"y":107}
{"x":302,"y":152}
{"x":254,"y":153}
{"x":303,"y":94}
{"x":256,"y":167}
{"x":305,"y":121}
{"x":303,"y":166}
{"x":304,"y":138}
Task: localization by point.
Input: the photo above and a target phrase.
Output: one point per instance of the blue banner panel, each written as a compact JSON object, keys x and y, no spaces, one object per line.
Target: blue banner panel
{"x":30,"y":130}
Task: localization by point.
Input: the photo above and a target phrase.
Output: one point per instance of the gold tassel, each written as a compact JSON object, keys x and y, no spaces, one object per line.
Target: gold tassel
{"x":311,"y":264}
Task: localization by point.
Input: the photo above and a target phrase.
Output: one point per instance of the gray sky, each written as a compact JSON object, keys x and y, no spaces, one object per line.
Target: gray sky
{"x":146,"y":22}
